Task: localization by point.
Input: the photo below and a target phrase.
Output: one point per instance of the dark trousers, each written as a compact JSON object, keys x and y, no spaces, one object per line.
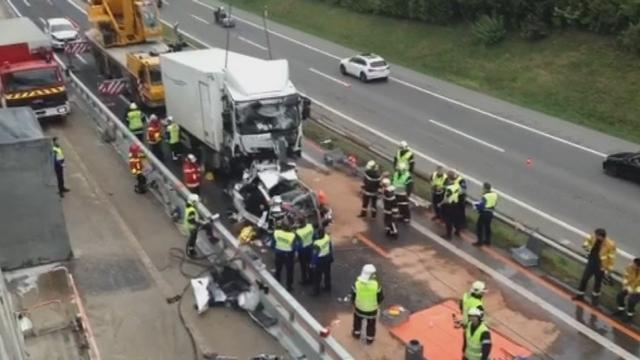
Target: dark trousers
{"x":631,"y":301}
{"x":304,"y":257}
{"x":462,"y":211}
{"x":193,"y":236}
{"x":195,"y":190}
{"x":436,"y":198}
{"x":451,"y":215}
{"x":370,"y":318}
{"x":285,"y":259}
{"x":390,"y":224}
{"x":175,"y":150}
{"x":139,"y":134}
{"x":369,"y":201}
{"x":60,"y":178}
{"x":141,"y":184}
{"x":591,"y":270}
{"x":156,"y":149}
{"x":321,"y":271}
{"x":483,"y":228}
{"x":403,"y":207}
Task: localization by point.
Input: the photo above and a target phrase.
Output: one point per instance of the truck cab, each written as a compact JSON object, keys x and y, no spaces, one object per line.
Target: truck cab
{"x":144,"y":68}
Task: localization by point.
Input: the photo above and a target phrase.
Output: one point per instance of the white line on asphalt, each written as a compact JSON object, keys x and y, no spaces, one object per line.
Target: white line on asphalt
{"x":346,"y":84}
{"x":165,"y":2}
{"x":82,"y":59}
{"x":42,"y":21}
{"x":263,"y":48}
{"x":425,"y":91}
{"x":26,"y":3}
{"x":200,"y":19}
{"x":528,"y":294}
{"x":467,"y":135}
{"x":77,"y":6}
{"x":126,"y":101}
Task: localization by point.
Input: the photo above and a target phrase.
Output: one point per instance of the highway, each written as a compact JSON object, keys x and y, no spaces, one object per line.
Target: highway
{"x":563,"y":192}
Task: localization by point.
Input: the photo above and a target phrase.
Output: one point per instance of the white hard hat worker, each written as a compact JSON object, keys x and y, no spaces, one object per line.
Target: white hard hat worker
{"x":370,"y":164}
{"x":478,"y":288}
{"x":403,"y":144}
{"x":386,"y":182}
{"x":367,"y":273}
{"x":193,"y":198}
{"x":133,"y":106}
{"x":191,"y":158}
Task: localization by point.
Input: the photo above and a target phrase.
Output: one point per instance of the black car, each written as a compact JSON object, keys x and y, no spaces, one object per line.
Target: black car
{"x":625,"y":165}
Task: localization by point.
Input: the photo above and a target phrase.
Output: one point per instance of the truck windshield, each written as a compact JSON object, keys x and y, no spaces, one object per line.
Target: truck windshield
{"x":31,"y":79}
{"x":256,"y":118}
{"x":149,"y":16}
{"x":155,"y":75}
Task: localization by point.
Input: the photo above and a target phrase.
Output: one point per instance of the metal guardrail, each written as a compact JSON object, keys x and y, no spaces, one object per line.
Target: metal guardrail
{"x":300,"y":331}
{"x":11,"y":338}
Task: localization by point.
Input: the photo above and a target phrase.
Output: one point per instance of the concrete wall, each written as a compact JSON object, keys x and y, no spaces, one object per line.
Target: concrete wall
{"x":11,"y":340}
{"x":32,"y":226}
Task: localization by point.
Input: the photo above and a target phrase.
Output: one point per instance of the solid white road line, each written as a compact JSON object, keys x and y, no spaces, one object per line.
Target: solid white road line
{"x":77,"y":6}
{"x":263,"y":48}
{"x":165,"y":2}
{"x":200,"y":19}
{"x":467,"y":135}
{"x":42,"y":21}
{"x":82,"y":59}
{"x":124,"y":99}
{"x":26,"y":3}
{"x":345,"y":84}
{"x":425,"y":91}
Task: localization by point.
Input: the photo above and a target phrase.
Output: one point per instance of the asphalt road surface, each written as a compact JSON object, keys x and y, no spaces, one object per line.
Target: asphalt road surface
{"x":563,"y":192}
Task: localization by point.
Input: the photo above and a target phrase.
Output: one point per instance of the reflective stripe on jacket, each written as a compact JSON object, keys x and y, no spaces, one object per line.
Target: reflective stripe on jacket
{"x":367,"y":295}
{"x":474,"y":342}
{"x":134,"y":118}
{"x":190,"y":217}
{"x":284,"y":240}
{"x":469,"y":302}
{"x":323,"y":245}
{"x":174,"y":133}
{"x":607,"y":251}
{"x":305,"y":234}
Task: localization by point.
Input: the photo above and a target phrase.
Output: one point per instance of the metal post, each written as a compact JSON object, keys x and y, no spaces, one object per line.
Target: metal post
{"x":266,"y":31}
{"x":414,"y":350}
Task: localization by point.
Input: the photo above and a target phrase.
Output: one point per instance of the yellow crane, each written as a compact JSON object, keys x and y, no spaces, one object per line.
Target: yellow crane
{"x":125,"y":22}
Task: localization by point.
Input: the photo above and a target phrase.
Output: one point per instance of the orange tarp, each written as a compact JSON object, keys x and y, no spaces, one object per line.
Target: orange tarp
{"x":434,"y":328}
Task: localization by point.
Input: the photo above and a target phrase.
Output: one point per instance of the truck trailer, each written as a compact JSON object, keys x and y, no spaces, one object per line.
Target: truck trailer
{"x":234,"y":108}
{"x":29,"y":76}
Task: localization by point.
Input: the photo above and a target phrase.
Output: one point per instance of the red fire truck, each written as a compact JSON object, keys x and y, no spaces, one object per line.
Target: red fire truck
{"x":29,"y":76}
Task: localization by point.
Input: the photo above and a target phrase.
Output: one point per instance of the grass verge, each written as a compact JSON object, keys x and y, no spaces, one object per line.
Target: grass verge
{"x":576,"y":76}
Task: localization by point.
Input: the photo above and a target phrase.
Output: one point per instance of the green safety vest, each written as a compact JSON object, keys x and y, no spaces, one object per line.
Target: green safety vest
{"x":57,"y":152}
{"x":403,"y":158}
{"x":284,"y":240}
{"x":324,"y":245}
{"x":437,"y":181}
{"x":454,"y":193}
{"x":473,"y":350}
{"x":190,"y":214}
{"x":469,"y":302}
{"x":306,"y":235}
{"x":134,"y":117}
{"x":367,"y":295}
{"x":400,"y":181}
{"x":490,"y":200}
{"x":174,"y":133}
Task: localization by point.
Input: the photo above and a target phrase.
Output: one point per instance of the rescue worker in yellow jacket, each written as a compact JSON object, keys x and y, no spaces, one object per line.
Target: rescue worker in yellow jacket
{"x":404,"y":155}
{"x":629,"y":295}
{"x":601,"y":257}
{"x":472,"y":299}
{"x":366,"y":296}
{"x":477,"y":337}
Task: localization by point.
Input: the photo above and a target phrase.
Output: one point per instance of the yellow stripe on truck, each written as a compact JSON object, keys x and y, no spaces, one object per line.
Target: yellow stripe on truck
{"x":34,"y":93}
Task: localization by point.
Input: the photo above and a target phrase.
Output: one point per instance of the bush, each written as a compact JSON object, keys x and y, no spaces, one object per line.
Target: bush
{"x":432,"y":11}
{"x":489,"y":30}
{"x":532,"y":28}
{"x":629,"y":39}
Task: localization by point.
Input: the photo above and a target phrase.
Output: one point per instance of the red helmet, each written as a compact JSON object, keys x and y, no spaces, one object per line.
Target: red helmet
{"x":134,"y":148}
{"x":322,"y":198}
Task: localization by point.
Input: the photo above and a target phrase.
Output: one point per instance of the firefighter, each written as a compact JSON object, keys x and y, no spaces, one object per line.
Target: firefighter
{"x":321,"y":260}
{"x":455,"y":178}
{"x":601,"y":257}
{"x":370,"y":189}
{"x":192,"y":223}
{"x":437,"y":181}
{"x":450,"y":208}
{"x":305,"y":234}
{"x":390,"y":206}
{"x":192,"y":174}
{"x":135,"y":121}
{"x":477,"y":337}
{"x":472,"y":299}
{"x":136,"y":167}
{"x":366,"y":296}
{"x":485,"y":208}
{"x":629,"y":295}
{"x":173,"y":138}
{"x":326,"y":214}
{"x":403,"y":182}
{"x":285,"y":242}
{"x":154,"y":137}
{"x":58,"y":166}
{"x":404,"y":155}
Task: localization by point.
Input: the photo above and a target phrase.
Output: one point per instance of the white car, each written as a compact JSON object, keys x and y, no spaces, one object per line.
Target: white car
{"x":365,"y":67}
{"x":61,"y":31}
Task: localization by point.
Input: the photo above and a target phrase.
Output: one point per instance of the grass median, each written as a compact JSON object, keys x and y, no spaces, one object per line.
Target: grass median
{"x":576,"y":76}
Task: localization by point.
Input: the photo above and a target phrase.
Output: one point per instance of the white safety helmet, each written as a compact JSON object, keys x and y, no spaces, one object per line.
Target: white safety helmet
{"x":474,"y":311}
{"x":368,"y":270}
{"x":371,"y":164}
{"x":153,"y":117}
{"x":403,"y":144}
{"x":478,"y":287}
{"x":191,"y":158}
{"x":277,"y":200}
{"x":133,"y":106}
{"x":391,"y":188}
{"x":170,"y":118}
{"x":193,"y":198}
{"x":386,"y":182}
{"x":402,"y":166}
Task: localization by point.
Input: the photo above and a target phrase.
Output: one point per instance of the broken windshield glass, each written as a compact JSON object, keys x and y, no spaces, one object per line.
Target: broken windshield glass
{"x":257,"y":118}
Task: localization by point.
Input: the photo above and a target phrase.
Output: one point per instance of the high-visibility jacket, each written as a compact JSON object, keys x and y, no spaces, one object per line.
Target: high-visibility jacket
{"x":631,"y":280}
{"x":135,"y":164}
{"x":174,"y":133}
{"x":452,"y":193}
{"x":284,"y":240}
{"x":323,"y":245}
{"x":401,"y":180}
{"x":469,"y":302}
{"x":58,"y":155}
{"x":191,"y":174}
{"x":437,"y":182}
{"x":474,"y":342}
{"x":367,"y":295}
{"x":404,"y":156}
{"x":190,"y":220}
{"x":490,"y":201}
{"x":154,"y":134}
{"x":607,"y":251}
{"x":305,"y":234}
{"x":459,"y":180}
{"x":134,"y":118}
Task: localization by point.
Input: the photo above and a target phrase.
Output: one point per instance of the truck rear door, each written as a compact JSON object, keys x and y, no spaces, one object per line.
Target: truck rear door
{"x":205,"y":111}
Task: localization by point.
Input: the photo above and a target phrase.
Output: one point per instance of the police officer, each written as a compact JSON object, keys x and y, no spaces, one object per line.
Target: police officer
{"x":485,"y":208}
{"x":403,"y":182}
{"x":173,"y":137}
{"x":390,"y":207}
{"x":305,"y":234}
{"x":191,"y":223}
{"x":477,"y":337}
{"x":321,"y":261}
{"x":601,"y":256}
{"x":58,"y":166}
{"x":472,"y":299}
{"x":285,"y":242}
{"x":404,"y":155}
{"x":370,"y":189}
{"x":366,"y":296}
{"x":135,"y":121}
{"x":438,"y":179}
{"x":629,"y":295}
{"x":450,"y":209}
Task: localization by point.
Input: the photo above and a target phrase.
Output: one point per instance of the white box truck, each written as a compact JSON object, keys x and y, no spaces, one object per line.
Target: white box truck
{"x":234,"y":108}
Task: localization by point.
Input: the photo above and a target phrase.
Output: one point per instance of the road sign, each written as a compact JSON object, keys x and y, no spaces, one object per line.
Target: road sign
{"x":112,"y":87}
{"x":76,"y":47}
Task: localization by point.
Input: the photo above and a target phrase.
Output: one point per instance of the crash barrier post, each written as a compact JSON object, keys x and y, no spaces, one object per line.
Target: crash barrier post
{"x":414,"y":350}
{"x":299,"y":332}
{"x":11,"y":338}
